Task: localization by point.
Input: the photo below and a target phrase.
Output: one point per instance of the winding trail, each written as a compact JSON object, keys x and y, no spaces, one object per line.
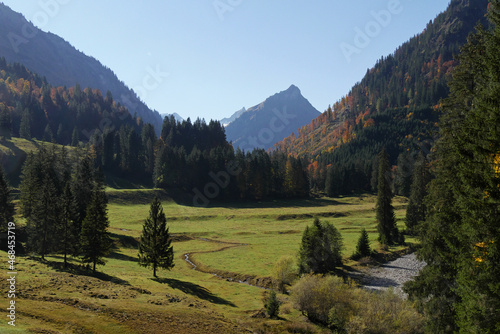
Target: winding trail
{"x":251,"y":280}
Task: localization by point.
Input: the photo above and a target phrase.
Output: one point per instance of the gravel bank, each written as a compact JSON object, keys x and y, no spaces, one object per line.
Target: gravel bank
{"x":393,"y":274}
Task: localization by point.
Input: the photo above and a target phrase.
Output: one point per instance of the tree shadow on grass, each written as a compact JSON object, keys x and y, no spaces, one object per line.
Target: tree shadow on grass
{"x":80,"y":270}
{"x":194,"y":290}
{"x":122,"y":257}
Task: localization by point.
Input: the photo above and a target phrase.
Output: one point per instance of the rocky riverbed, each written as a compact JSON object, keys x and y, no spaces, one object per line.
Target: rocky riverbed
{"x":392,"y":274}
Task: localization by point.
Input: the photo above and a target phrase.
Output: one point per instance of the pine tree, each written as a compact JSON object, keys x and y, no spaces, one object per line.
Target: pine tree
{"x":415,"y":212}
{"x":74,"y":137}
{"x":5,"y":122}
{"x":44,"y":212}
{"x":155,"y":250}
{"x":363,"y":246}
{"x":47,"y":134}
{"x":6,"y":206}
{"x":95,"y":239}
{"x":388,"y":232}
{"x":67,"y":237}
{"x":25,"y":126}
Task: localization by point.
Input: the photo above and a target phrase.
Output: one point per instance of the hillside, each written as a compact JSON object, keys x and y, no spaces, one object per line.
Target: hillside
{"x":63,"y":65}
{"x":270,"y":121}
{"x":396,"y":104}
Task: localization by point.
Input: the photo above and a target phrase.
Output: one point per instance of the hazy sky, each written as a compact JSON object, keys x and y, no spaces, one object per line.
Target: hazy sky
{"x":213,"y":57}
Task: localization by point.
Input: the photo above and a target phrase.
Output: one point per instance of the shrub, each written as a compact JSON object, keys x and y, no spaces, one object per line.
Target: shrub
{"x":344,"y":308}
{"x":284,"y":272}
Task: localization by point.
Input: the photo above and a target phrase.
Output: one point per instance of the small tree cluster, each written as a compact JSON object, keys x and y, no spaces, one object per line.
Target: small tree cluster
{"x":65,"y":207}
{"x":321,"y":249}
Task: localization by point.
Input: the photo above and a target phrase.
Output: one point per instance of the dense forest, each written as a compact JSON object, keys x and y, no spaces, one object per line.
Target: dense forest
{"x":396,"y":106}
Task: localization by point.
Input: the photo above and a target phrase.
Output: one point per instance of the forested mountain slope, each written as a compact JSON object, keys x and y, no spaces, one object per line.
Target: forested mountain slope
{"x":54,"y":58}
{"x":396,"y":104}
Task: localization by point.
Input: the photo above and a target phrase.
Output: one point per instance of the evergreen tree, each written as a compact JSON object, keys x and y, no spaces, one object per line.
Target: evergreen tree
{"x":5,"y":122}
{"x":74,"y":137}
{"x":47,"y":134}
{"x":95,"y":239}
{"x":363,"y":246}
{"x":403,"y":179}
{"x":25,"y":126}
{"x":272,"y":305}
{"x":82,"y":186}
{"x":45,"y":211}
{"x":415,"y":212}
{"x":459,"y":289}
{"x":67,"y":237}
{"x":6,"y":206}
{"x":321,"y":249}
{"x":155,"y":250}
{"x":388,"y":232}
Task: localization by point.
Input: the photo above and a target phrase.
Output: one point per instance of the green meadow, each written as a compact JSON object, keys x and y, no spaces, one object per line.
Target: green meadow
{"x":239,"y":240}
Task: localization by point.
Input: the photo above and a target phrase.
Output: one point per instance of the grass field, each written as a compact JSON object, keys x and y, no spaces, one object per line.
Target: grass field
{"x":244,"y":239}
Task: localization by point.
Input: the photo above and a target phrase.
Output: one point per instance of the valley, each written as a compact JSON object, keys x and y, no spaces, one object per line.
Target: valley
{"x":243,"y":240}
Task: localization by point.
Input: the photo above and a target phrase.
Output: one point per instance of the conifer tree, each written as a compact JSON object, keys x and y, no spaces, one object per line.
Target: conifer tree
{"x":363,"y":246}
{"x":415,"y":212}
{"x":459,"y":289}
{"x":95,"y":239}
{"x":321,"y":249}
{"x":388,"y":232}
{"x":25,"y":126}
{"x":155,"y":249}
{"x":75,"y":138}
{"x":6,"y":206}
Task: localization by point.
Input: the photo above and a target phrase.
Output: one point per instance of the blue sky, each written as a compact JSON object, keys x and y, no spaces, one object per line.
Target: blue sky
{"x":222,"y":55}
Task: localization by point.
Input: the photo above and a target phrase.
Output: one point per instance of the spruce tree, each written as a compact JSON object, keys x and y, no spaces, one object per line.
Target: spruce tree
{"x":95,"y":241}
{"x":6,"y":206}
{"x":75,"y":138}
{"x":459,"y":289}
{"x":363,"y":246}
{"x":415,"y":212}
{"x":25,"y":126}
{"x":388,"y":232}
{"x":155,"y":249}
{"x":321,"y":249}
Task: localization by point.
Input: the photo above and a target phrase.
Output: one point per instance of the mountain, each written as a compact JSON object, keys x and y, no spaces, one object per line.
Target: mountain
{"x":227,"y":120}
{"x":396,"y":105}
{"x":270,"y":121}
{"x":63,"y":65}
{"x":177,"y":117}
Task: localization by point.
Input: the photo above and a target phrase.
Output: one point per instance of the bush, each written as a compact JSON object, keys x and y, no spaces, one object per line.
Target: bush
{"x":284,"y":272}
{"x":344,"y":308}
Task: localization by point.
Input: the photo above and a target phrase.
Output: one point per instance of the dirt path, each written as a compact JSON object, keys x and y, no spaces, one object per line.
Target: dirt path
{"x":393,"y":274}
{"x":252,"y":280}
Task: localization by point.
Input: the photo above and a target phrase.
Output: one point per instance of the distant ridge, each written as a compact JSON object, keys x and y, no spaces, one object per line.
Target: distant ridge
{"x":51,"y":56}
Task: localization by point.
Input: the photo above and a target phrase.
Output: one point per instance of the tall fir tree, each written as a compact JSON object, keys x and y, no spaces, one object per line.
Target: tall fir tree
{"x":95,"y":240}
{"x":155,"y":249}
{"x":25,"y":126}
{"x":459,"y":289}
{"x":7,"y":209}
{"x":386,"y":220}
{"x":415,"y":212}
